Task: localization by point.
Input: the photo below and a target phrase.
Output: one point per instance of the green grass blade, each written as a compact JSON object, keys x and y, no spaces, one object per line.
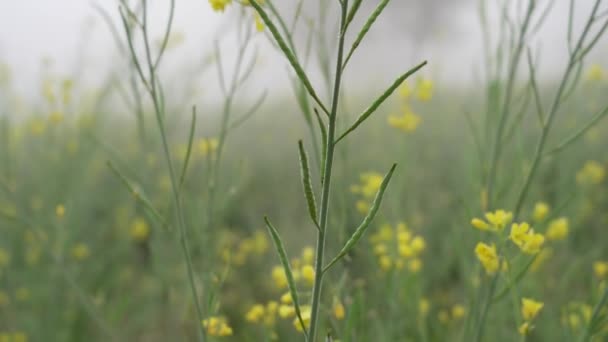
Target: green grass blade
{"x":368,"y":25}
{"x":278,"y":244}
{"x":366,"y":221}
{"x":369,"y":111}
{"x":517,"y":279}
{"x":307,"y":184}
{"x":596,"y":118}
{"x":288,"y":53}
{"x":182,"y":176}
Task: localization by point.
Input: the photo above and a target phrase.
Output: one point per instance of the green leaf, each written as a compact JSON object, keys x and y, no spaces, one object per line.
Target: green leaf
{"x":368,"y":25}
{"x":182,"y":176}
{"x":353,"y":11}
{"x":307,"y":184}
{"x":278,"y":244}
{"x":288,"y":53}
{"x":369,"y":111}
{"x":366,"y":221}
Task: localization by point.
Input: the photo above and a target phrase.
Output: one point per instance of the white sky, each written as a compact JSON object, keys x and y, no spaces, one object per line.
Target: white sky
{"x":32,"y":30}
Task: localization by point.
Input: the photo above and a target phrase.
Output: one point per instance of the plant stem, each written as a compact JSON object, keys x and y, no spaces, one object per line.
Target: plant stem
{"x":316,"y":291}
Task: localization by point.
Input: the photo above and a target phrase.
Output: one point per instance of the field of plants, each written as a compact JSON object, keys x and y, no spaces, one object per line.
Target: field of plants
{"x":409,"y":211}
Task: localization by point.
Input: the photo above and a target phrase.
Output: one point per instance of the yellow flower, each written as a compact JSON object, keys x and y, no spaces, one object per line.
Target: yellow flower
{"x":443,"y":316}
{"x":424,"y":89}
{"x":217,"y":326}
{"x":415,"y":265}
{"x":558,"y":229}
{"x":363,"y":206}
{"x":458,"y":311}
{"x":60,"y":211}
{"x":541,"y":210}
{"x":480,"y":224}
{"x":418,"y":244}
{"x":592,"y":173}
{"x":56,"y":117}
{"x":308,"y":273}
{"x":80,"y":252}
{"x":488,"y":257}
{"x":530,"y":308}
{"x":600,"y":269}
{"x":407,"y":122}
{"x":305,"y":312}
{"x":279,"y":277}
{"x":308,"y":255}
{"x":385,"y":262}
{"x":286,"y":298}
{"x":219,"y":5}
{"x":255,"y":314}
{"x":140,"y":231}
{"x":380,"y":249}
{"x":595,"y":73}
{"x":424,"y":306}
{"x":286,"y":311}
{"x":526,"y":239}
{"x":338,"y":309}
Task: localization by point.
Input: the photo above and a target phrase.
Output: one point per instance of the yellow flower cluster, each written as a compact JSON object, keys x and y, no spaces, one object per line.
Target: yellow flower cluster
{"x":255,"y":245}
{"x":368,"y":187}
{"x":596,"y":73}
{"x":529,"y":310}
{"x":265,"y":314}
{"x":206,"y":146}
{"x":526,"y":239}
{"x":398,"y":248}
{"x":407,"y":121}
{"x":558,"y":229}
{"x":217,"y":326}
{"x":576,"y":314}
{"x":219,"y":5}
{"x":302,"y":270}
{"x":592,"y":173}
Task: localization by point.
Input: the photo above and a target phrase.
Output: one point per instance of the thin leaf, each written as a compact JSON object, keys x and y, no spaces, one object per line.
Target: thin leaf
{"x":381,"y":100}
{"x":278,"y":244}
{"x":366,"y":221}
{"x":140,"y":197}
{"x":353,"y":11}
{"x":307,"y":184}
{"x":368,"y":25}
{"x":182,"y":176}
{"x":600,"y":115}
{"x":288,"y":53}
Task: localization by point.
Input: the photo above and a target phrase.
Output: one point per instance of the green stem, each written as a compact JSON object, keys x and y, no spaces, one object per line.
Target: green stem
{"x":329,"y":158}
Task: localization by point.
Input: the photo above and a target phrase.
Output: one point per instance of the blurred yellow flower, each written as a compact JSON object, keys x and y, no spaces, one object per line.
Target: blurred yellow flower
{"x":541,"y":210}
{"x":338,"y":309}
{"x":255,"y":314}
{"x":496,"y":221}
{"x":5,"y":258}
{"x":259,"y":24}
{"x":219,"y":5}
{"x":308,"y":273}
{"x":217,"y":326}
{"x":596,"y":73}
{"x":140,"y":231}
{"x":600,"y":269}
{"x":526,"y":239}
{"x":60,"y":211}
{"x":558,"y":229}
{"x":80,"y":252}
{"x":305,"y":311}
{"x":530,"y":308}
{"x":592,"y":173}
{"x":286,"y":311}
{"x":524,"y":328}
{"x":458,"y":311}
{"x":424,"y":306}
{"x":279,"y":277}
{"x":424,"y":89}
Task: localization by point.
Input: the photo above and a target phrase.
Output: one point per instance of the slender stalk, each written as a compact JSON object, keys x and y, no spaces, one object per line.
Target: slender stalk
{"x":329,"y":158}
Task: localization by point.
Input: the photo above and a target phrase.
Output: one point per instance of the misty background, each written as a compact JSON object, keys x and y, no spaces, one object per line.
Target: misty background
{"x":69,"y":37}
